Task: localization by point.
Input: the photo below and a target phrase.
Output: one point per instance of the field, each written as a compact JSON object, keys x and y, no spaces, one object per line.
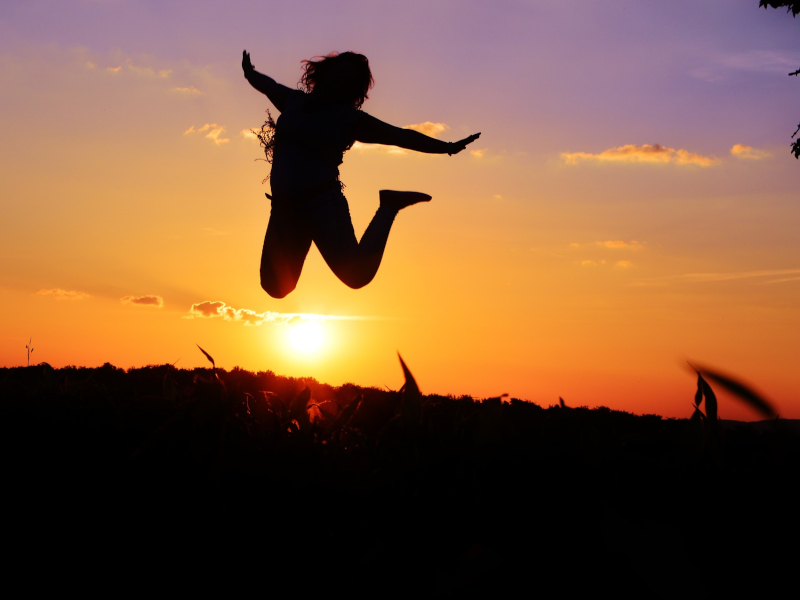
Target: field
{"x":293,"y":482}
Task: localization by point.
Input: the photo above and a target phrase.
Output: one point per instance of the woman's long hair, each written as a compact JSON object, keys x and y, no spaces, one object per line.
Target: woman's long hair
{"x":314,"y":69}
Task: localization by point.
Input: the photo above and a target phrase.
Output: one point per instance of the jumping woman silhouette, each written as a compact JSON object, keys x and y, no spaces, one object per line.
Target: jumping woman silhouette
{"x":315,"y":128}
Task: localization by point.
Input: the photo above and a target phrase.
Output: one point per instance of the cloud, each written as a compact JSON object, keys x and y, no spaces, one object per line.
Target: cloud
{"x":497,"y":197}
{"x":703,"y":277}
{"x":631,"y":153}
{"x":748,"y":152}
{"x":612,"y":244}
{"x":187,"y":90}
{"x":618,"y":244}
{"x":207,"y":309}
{"x":428,"y":128}
{"x":764,"y":61}
{"x":478,"y":152}
{"x":218,"y":309}
{"x":63,"y":294}
{"x":624,"y":264}
{"x":214,"y":132}
{"x":722,"y":67}
{"x":156,"y":301}
{"x":147,"y":71}
{"x":137,"y":70}
{"x":249,"y":135}
{"x":783,"y":275}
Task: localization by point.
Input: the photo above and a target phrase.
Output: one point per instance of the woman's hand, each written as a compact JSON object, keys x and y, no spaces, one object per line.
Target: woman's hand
{"x":456,"y":147}
{"x":247,"y":66}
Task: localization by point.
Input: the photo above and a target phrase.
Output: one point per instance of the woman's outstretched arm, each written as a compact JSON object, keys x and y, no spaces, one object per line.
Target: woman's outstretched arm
{"x":276,"y":92}
{"x":370,"y":130}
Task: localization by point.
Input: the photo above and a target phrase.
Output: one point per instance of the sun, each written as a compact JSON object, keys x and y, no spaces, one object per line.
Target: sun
{"x":306,"y":337}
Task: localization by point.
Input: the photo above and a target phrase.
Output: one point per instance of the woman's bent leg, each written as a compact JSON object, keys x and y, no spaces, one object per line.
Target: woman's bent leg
{"x":356,"y":263}
{"x":286,"y":245}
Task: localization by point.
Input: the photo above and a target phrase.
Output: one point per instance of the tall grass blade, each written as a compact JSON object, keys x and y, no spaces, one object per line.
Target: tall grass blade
{"x":411,"y":407}
{"x":737,"y":388}
{"x":698,"y":395}
{"x":208,"y":356}
{"x":711,"y":399}
{"x":411,"y":383}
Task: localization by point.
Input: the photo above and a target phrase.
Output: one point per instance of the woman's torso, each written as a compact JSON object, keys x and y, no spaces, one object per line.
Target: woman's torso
{"x":310,"y":142}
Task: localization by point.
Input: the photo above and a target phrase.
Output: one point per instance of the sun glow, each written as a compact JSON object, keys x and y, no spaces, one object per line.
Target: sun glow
{"x":306,"y":337}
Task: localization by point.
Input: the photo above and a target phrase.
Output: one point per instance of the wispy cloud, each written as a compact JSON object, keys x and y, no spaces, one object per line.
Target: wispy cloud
{"x":60,"y":294}
{"x":621,"y":244}
{"x":631,"y":153}
{"x":612,"y":244}
{"x":147,"y":71}
{"x":748,"y":152}
{"x":701,"y":277}
{"x":782,"y":275}
{"x":248,"y":135}
{"x":149,"y":300}
{"x":622,"y":264}
{"x":213,"y":132}
{"x":478,"y":152}
{"x":137,"y":70}
{"x":218,"y":309}
{"x":765,"y":61}
{"x":177,"y":78}
{"x":429,"y":128}
{"x":725,"y":66}
{"x":190,"y":90}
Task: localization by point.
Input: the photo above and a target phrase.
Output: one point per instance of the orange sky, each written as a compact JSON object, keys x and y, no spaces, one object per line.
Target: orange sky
{"x":630,"y":205}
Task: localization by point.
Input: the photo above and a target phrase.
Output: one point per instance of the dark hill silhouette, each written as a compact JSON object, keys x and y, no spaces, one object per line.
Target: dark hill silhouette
{"x":276,"y":481}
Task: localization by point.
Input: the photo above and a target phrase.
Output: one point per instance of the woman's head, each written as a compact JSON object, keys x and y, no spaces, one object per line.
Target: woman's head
{"x":338,"y":77}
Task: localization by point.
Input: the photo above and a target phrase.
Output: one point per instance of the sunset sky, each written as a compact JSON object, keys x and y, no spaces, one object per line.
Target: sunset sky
{"x":630,"y":205}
